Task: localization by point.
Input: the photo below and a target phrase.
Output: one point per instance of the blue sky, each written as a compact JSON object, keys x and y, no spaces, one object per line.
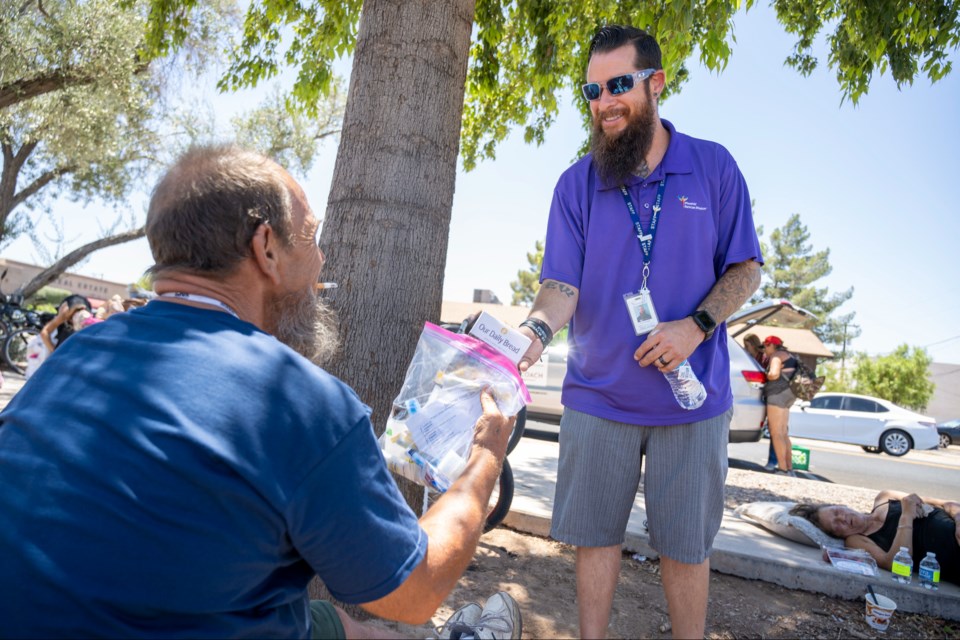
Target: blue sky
{"x":877,"y":184}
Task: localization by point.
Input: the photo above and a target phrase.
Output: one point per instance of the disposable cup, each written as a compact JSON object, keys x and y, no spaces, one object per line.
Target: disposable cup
{"x":879,"y":612}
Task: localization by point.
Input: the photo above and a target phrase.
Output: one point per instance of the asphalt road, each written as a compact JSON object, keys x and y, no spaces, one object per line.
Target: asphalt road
{"x":934,"y":474}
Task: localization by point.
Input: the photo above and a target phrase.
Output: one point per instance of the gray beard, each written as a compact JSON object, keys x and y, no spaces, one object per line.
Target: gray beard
{"x":308,"y":326}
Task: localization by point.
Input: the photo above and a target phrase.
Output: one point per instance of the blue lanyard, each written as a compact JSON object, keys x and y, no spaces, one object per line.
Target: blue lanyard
{"x":646,"y":239}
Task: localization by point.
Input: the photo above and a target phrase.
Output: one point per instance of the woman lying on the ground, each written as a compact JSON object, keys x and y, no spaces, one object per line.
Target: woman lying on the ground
{"x":897,"y":520}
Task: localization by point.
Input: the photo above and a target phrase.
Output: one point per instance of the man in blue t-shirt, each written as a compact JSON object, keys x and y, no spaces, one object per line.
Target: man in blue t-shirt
{"x":185,"y":469}
{"x":650,"y":246}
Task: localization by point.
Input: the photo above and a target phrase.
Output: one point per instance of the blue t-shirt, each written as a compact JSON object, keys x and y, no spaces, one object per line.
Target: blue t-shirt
{"x":177,"y":472}
{"x":705,"y":225}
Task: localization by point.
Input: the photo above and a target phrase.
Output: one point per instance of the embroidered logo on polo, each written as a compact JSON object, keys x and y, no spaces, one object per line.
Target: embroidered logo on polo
{"x":692,"y":206}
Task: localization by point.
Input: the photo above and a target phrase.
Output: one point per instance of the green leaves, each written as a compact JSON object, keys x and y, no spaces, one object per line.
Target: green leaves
{"x":901,"y":37}
{"x":900,"y":377}
{"x":529,"y":56}
{"x":792,"y":268}
{"x":527,"y":284}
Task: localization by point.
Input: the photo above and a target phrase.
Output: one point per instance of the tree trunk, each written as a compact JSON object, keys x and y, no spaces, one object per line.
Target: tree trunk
{"x":388,"y":215}
{"x":50,"y":274}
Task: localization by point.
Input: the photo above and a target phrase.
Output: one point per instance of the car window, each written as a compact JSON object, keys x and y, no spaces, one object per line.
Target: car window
{"x":826,"y":402}
{"x":860,"y":404}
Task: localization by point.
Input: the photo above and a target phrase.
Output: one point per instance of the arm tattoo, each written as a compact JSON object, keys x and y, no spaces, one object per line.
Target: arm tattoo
{"x":563,"y":288}
{"x":732,"y":290}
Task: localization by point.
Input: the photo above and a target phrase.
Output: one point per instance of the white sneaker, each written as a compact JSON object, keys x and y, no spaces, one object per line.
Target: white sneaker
{"x":500,"y":619}
{"x":462,"y":622}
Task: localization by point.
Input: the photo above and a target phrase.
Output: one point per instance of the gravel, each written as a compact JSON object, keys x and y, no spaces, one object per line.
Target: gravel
{"x":750,"y":486}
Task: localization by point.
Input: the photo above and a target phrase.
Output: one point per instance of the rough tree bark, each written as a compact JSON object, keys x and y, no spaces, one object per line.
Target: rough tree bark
{"x":387,"y":220}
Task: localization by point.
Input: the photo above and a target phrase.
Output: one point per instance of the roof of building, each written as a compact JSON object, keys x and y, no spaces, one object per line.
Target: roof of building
{"x":802,"y":341}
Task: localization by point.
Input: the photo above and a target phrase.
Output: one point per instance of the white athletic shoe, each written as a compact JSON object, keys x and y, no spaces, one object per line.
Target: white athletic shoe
{"x":462,"y":622}
{"x":500,"y":619}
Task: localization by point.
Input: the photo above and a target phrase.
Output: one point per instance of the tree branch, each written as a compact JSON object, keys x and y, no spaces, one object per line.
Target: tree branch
{"x":50,"y":274}
{"x":24,"y":89}
{"x":38,"y":184}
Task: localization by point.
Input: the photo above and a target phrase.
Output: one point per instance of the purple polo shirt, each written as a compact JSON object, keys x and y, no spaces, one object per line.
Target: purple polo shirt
{"x":705,"y":226}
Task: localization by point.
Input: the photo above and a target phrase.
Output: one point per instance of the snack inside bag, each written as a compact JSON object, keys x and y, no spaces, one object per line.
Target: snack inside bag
{"x":430,"y":428}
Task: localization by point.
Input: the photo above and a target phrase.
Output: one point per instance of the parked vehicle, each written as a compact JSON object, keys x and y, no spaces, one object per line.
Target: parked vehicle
{"x":874,"y":424}
{"x":949,"y":433}
{"x":545,"y":379}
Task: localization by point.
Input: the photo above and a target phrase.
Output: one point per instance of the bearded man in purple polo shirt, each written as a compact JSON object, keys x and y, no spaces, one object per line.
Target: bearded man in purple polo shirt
{"x":651,"y":223}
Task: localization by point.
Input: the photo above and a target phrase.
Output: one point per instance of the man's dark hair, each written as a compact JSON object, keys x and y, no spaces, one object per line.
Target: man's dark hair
{"x":614,"y":36}
{"x":206,"y":209}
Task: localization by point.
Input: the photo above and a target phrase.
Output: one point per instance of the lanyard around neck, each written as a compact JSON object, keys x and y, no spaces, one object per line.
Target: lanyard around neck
{"x":192,"y":297}
{"x":645,"y":238}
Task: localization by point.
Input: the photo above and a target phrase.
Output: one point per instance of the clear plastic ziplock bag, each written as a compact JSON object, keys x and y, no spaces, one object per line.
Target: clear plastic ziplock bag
{"x":430,"y":428}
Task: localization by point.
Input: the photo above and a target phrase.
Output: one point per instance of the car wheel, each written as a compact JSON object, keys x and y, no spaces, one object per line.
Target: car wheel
{"x":871,"y":449}
{"x":944,"y":441}
{"x":895,"y":443}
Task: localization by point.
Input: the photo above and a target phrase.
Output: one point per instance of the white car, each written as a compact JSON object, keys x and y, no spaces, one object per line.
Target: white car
{"x":874,"y":424}
{"x":545,"y":379}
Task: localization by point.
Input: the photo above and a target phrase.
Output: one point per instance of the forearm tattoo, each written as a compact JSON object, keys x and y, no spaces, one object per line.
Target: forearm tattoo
{"x":559,"y":286}
{"x":732,"y":289}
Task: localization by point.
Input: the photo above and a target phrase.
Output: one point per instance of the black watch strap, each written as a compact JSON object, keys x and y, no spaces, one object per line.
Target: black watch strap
{"x":705,"y":321}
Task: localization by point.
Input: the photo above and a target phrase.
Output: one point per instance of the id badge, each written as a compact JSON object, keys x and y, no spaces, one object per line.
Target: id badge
{"x":643,"y":315}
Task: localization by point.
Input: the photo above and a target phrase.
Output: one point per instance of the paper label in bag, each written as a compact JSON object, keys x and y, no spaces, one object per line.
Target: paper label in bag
{"x":445,"y":423}
{"x":504,"y":339}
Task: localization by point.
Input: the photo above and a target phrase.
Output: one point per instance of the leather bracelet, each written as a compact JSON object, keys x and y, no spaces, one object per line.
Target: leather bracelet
{"x":540,"y":328}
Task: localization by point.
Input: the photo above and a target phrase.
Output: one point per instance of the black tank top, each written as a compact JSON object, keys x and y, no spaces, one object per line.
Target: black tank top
{"x":774,"y":387}
{"x":936,"y":532}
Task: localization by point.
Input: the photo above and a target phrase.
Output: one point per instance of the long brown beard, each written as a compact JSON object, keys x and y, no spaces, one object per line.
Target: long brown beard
{"x":616,"y":157}
{"x":307,"y":325}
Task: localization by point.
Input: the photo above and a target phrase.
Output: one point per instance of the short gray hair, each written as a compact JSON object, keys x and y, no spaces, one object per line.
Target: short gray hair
{"x":204,"y":212}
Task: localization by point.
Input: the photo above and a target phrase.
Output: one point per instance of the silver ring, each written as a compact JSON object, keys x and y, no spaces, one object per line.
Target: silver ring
{"x":662,"y":361}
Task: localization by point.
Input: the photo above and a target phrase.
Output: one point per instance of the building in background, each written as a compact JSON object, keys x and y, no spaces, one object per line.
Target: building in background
{"x":97,"y":291}
{"x":945,"y":403}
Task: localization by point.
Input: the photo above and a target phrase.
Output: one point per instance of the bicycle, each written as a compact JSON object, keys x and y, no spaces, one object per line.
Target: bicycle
{"x":15,"y":348}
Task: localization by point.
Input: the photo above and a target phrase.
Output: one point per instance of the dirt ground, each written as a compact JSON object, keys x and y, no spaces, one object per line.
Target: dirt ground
{"x":539,"y":574}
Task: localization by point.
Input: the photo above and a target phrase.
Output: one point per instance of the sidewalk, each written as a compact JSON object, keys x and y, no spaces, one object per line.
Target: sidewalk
{"x":741,"y":549}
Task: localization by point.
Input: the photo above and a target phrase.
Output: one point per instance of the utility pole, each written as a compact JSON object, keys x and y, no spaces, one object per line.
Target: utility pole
{"x":843,"y":357}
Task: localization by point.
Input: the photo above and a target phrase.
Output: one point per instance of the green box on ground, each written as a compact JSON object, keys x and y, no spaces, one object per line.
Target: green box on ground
{"x":801,"y":458}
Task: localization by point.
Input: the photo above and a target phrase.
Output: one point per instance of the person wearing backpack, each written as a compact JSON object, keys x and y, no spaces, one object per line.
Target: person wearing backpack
{"x":781,"y":365}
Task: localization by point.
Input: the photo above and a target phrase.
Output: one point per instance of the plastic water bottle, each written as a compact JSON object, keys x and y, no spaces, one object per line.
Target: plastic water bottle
{"x":930,"y":571}
{"x":902,"y":566}
{"x":687,"y":389}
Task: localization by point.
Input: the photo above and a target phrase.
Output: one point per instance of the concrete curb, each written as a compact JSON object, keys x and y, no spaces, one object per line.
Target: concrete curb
{"x":741,"y":549}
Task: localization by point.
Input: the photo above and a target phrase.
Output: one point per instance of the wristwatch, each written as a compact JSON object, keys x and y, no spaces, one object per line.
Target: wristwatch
{"x":705,"y":321}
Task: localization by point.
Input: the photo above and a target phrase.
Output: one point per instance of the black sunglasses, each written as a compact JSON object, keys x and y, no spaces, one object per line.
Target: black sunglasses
{"x":616,"y":86}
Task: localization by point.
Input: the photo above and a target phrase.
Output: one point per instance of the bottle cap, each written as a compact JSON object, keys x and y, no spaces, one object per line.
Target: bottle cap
{"x":451,"y":465}
{"x":904,"y":549}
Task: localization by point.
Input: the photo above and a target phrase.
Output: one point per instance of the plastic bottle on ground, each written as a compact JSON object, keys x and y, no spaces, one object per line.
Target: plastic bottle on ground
{"x":686,"y":387}
{"x":930,"y":571}
{"x":902,"y":566}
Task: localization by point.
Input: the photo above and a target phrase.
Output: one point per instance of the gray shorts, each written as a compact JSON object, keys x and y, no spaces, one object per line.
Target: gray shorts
{"x":599,"y":473}
{"x":784,"y":398}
